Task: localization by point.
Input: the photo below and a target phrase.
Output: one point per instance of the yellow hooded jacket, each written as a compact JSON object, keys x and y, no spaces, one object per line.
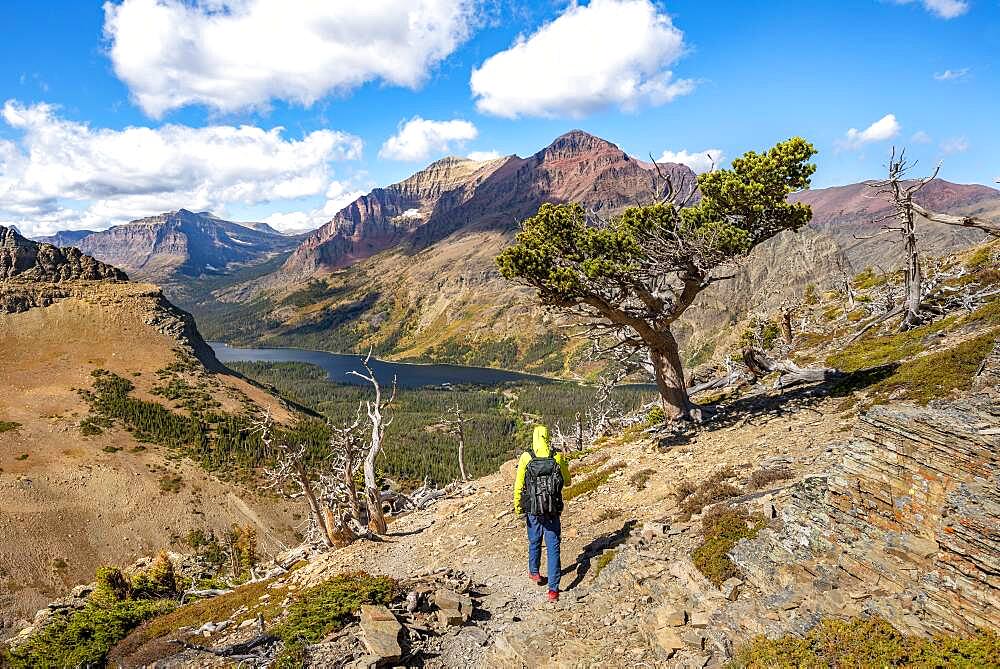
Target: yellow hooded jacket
{"x":540,"y":446}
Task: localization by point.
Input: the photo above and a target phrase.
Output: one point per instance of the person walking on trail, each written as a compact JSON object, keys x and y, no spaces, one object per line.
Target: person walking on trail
{"x":541,"y":476}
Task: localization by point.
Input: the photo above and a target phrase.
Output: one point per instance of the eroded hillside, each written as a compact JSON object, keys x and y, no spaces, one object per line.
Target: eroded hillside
{"x":76,"y":488}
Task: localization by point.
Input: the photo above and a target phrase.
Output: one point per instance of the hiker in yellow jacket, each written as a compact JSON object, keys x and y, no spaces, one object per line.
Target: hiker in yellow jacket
{"x":541,"y":477}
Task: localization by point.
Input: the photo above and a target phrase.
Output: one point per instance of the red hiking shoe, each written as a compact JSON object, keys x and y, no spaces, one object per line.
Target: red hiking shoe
{"x":553,"y":595}
{"x":537,"y":578}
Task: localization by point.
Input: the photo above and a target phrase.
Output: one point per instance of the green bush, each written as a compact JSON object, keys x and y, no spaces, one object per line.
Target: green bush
{"x":722,"y":527}
{"x":8,"y":426}
{"x":326,"y":608}
{"x":864,"y":642}
{"x":83,"y":638}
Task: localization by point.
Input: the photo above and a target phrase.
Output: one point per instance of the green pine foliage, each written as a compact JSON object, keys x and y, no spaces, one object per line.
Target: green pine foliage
{"x":500,"y":418}
{"x":326,"y":608}
{"x":221,"y":442}
{"x":83,"y":637}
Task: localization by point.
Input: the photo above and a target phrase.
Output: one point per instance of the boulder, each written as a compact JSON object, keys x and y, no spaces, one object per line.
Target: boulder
{"x":451,"y":601}
{"x":380,"y":631}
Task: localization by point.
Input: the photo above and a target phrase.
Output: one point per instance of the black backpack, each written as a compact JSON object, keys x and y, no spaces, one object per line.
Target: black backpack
{"x":543,"y":484}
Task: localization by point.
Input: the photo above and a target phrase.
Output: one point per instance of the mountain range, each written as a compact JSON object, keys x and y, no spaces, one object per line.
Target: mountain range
{"x":408,"y":269}
{"x":179,"y":245}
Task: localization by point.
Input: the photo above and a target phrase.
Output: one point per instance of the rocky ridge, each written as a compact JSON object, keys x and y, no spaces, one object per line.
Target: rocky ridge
{"x":25,"y":260}
{"x":182,"y":245}
{"x":455,"y":193}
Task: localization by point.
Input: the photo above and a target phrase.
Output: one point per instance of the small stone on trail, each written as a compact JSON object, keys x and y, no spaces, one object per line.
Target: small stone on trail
{"x":730,"y":588}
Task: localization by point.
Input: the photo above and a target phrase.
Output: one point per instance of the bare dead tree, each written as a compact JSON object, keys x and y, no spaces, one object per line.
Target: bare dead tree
{"x":787,"y":311}
{"x":990,"y":227}
{"x":291,"y":467}
{"x":847,"y":288}
{"x":456,"y":426}
{"x":900,"y":194}
{"x":338,"y":487}
{"x":376,"y":410}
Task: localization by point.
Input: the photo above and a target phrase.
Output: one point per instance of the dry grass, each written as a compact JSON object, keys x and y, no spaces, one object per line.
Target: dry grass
{"x":692,"y":499}
{"x":766,"y":475}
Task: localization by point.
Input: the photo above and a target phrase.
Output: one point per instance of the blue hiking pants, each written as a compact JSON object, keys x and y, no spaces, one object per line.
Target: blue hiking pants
{"x":546,"y":527}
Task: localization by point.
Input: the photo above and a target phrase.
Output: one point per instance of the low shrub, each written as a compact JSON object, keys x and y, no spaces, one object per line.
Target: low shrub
{"x":591,"y":482}
{"x":326,"y":608}
{"x":8,"y":426}
{"x":608,"y":514}
{"x":84,"y":637}
{"x":711,"y":491}
{"x":862,"y":642}
{"x":171,"y":483}
{"x":641,"y":478}
{"x":766,"y":475}
{"x":603,"y":560}
{"x":722,"y":526}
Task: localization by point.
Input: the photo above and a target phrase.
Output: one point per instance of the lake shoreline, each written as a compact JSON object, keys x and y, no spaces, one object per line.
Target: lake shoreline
{"x":338,"y":365}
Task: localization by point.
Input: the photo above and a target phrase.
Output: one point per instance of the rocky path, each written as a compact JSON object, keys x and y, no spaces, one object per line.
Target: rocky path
{"x":608,"y":619}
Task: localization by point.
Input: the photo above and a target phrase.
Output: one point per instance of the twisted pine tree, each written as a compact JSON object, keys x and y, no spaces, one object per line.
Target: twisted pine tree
{"x":631,"y":278}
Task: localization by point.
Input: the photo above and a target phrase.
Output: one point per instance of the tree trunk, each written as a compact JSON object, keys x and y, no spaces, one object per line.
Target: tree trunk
{"x":314,"y":507}
{"x":461,"y":449}
{"x":579,"y":431}
{"x":352,"y":492}
{"x":786,"y":325}
{"x":373,"y":496}
{"x":669,"y":374}
{"x":914,"y":276}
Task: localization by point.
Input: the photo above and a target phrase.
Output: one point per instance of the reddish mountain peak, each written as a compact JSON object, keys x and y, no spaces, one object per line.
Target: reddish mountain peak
{"x":574,"y":143}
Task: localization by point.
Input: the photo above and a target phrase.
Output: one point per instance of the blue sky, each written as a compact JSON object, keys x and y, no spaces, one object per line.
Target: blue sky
{"x":284,"y":111}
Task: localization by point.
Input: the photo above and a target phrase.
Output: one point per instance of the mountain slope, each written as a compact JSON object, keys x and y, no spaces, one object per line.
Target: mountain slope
{"x":75,"y":493}
{"x":847,"y":213}
{"x":409,"y":269}
{"x":455,"y":193}
{"x":182,"y":245}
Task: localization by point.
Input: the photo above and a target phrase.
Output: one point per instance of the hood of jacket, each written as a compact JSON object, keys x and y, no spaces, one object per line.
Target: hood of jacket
{"x":540,"y":442}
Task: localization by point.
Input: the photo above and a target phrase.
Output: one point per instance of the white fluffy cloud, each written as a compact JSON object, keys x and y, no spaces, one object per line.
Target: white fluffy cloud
{"x":232,"y":54}
{"x":63,"y":174}
{"x":921,"y":137}
{"x":608,"y":53}
{"x":483,"y":155}
{"x":885,"y":128}
{"x":419,"y":139}
{"x":699,"y":161}
{"x":945,"y":9}
{"x":338,"y":195}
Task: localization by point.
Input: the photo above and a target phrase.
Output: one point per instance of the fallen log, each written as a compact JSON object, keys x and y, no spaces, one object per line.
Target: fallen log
{"x":732,"y":378}
{"x":790,"y":373}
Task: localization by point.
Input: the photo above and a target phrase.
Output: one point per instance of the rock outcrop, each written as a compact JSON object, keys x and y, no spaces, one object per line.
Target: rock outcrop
{"x":26,"y":260}
{"x":906,"y":528}
{"x":387,"y":216}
